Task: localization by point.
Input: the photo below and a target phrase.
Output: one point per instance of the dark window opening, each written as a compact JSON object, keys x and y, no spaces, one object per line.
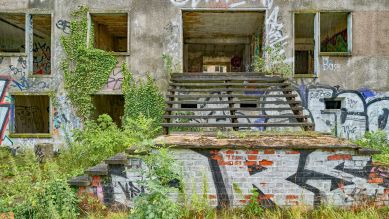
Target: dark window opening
{"x":41,"y":44}
{"x":189,"y":106}
{"x":12,"y":33}
{"x":304,"y":43}
{"x":248,"y":105}
{"x":113,"y":105}
{"x":110,"y":32}
{"x":334,"y":32}
{"x":333,"y":104}
{"x":31,"y":114}
{"x":222,"y":41}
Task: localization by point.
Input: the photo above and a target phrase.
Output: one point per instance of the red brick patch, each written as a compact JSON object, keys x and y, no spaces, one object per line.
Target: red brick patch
{"x":289,"y":197}
{"x":376,"y":180}
{"x":340,"y":157}
{"x":217,"y":157}
{"x":212,"y":196}
{"x":386,"y":191}
{"x":265,"y":163}
{"x":269,"y":151}
{"x":266,"y":196}
{"x":292,"y":152}
{"x":225,"y":163}
{"x":250,"y":163}
{"x":230,"y":152}
{"x":8,"y":215}
{"x":252,"y":157}
{"x":243,"y":201}
{"x":252,"y":152}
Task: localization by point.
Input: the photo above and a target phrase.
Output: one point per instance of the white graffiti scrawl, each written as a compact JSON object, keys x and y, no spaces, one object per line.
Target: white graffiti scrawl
{"x":274,"y":28}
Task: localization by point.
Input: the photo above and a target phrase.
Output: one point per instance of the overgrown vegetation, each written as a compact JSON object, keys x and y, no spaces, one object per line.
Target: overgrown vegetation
{"x":273,"y":62}
{"x":86,"y":69}
{"x":142,"y":98}
{"x":377,"y":140}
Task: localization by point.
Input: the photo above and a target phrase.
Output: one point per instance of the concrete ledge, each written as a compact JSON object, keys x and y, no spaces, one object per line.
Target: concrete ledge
{"x":368,"y":151}
{"x":80,"y":181}
{"x":120,"y":158}
{"x":98,"y":170}
{"x":281,"y":141}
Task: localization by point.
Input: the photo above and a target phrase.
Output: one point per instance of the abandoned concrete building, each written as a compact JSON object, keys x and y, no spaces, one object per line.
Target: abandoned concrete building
{"x":338,"y":51}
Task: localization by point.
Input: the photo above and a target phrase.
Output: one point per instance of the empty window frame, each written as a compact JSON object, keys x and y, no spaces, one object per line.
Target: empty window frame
{"x":31,"y":114}
{"x":113,"y":105}
{"x":110,"y":31}
{"x":41,"y":51}
{"x":335,"y":32}
{"x":331,"y":104}
{"x":12,"y":33}
{"x":304,"y":43}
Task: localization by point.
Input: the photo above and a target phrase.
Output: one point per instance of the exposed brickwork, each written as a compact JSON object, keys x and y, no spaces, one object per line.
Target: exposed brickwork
{"x":281,"y":177}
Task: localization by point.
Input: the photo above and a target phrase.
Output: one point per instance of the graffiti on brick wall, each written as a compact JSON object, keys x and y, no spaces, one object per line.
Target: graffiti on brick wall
{"x":281,"y":177}
{"x":4,"y":107}
{"x":41,"y":58}
{"x":361,"y":110}
{"x":211,"y":3}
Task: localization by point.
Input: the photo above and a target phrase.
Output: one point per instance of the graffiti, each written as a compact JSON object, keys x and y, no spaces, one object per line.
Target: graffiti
{"x":30,"y":118}
{"x":63,"y":25}
{"x":17,"y":70}
{"x":329,"y":65}
{"x":217,"y":3}
{"x":41,"y":59}
{"x":274,"y":29}
{"x":362,"y":110}
{"x":4,"y":107}
{"x":130,"y":190}
{"x":114,"y":81}
{"x":281,"y":177}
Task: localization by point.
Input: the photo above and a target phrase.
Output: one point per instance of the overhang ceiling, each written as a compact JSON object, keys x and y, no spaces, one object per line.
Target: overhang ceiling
{"x":222,"y":24}
{"x":116,"y":24}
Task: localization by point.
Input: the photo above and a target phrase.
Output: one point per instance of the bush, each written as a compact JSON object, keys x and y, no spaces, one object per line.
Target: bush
{"x":33,"y":190}
{"x":376,"y":140}
{"x":161,"y":176}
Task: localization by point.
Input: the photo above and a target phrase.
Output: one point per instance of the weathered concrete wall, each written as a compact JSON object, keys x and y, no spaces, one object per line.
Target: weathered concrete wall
{"x":282,"y":177}
{"x":156,"y":28}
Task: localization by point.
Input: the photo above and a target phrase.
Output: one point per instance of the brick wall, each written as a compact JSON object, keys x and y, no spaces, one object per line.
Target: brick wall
{"x":282,"y":177}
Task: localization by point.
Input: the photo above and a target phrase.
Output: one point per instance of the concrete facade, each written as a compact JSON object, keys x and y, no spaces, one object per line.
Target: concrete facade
{"x":155,"y":28}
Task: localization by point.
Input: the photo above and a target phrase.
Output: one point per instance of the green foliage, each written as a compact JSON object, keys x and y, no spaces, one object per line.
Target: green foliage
{"x":339,"y":46}
{"x":168,"y":63}
{"x":161,"y":174}
{"x":101,"y":139}
{"x":376,"y":140}
{"x":86,"y":69}
{"x":274,"y":62}
{"x":33,"y":190}
{"x":253,"y":208}
{"x":142,"y":98}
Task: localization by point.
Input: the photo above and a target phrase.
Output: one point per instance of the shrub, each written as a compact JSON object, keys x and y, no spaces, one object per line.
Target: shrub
{"x":376,"y":140}
{"x":161,"y":176}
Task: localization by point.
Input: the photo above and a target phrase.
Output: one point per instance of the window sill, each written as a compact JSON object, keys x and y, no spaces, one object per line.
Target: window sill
{"x":40,"y":76}
{"x":13,"y":54}
{"x":30,"y":135}
{"x":120,"y":53}
{"x":304,"y":76}
{"x":335,"y":54}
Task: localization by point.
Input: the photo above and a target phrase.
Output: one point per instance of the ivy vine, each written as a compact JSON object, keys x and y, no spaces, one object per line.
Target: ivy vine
{"x":86,"y":69}
{"x":142,"y":98}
